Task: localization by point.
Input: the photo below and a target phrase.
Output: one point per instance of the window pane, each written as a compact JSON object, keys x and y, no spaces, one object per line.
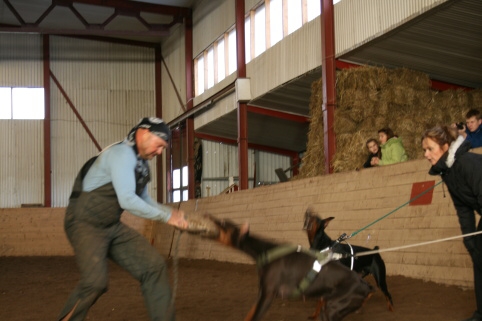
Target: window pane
{"x":176,"y":196}
{"x":232,"y":52}
{"x":260,"y":31}
{"x":185,"y":195}
{"x":247,"y":39}
{"x":221,"y":61}
{"x":276,"y":21}
{"x":313,"y":8}
{"x":5,"y":103}
{"x":210,"y":58}
{"x":176,"y":178}
{"x":294,"y":15}
{"x":28,"y":103}
{"x":185,"y":177}
{"x":200,"y":75}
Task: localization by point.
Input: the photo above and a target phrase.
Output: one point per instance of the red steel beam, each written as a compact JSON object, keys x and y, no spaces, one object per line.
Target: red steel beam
{"x":158,"y":94}
{"x":191,"y":158}
{"x":233,"y":142}
{"x":47,"y":134}
{"x":79,"y":117}
{"x":132,"y":6}
{"x":329,"y":81}
{"x":278,"y":114}
{"x":242,"y":107}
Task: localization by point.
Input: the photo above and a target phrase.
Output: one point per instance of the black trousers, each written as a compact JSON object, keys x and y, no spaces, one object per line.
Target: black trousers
{"x":130,"y":250}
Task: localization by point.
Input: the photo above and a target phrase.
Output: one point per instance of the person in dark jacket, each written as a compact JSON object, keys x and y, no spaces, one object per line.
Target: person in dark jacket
{"x":109,"y":183}
{"x":472,"y":129}
{"x":374,"y":150}
{"x":461,"y":171}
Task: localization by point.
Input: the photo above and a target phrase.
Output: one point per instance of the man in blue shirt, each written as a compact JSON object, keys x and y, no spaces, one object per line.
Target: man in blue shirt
{"x":473,"y":129}
{"x":114,"y":181}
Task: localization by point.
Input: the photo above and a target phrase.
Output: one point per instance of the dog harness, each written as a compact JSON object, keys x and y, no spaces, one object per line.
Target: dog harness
{"x":321,"y":258}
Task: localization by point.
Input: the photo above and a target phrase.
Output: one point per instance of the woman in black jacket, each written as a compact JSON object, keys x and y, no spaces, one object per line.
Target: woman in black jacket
{"x":461,"y":171}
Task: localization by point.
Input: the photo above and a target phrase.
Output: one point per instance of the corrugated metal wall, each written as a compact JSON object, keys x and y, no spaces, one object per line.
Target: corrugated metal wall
{"x":357,"y":22}
{"x":211,"y":18}
{"x":21,"y":163}
{"x":174,"y":57}
{"x":111,"y":86}
{"x":295,"y":55}
{"x":220,"y":164}
{"x":21,"y":156}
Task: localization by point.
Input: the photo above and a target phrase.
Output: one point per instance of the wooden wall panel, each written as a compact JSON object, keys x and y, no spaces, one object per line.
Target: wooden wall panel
{"x":355,"y":199}
{"x":40,"y":231}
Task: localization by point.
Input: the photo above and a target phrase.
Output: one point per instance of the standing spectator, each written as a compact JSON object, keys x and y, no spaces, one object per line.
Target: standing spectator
{"x":374,"y":151}
{"x":472,"y":130}
{"x":114,"y":181}
{"x":391,"y":148}
{"x":461,"y":171}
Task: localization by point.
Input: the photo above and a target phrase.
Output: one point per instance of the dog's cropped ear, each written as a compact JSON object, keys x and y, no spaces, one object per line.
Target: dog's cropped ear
{"x":244,"y":229}
{"x":327,"y":220}
{"x":308,"y":212}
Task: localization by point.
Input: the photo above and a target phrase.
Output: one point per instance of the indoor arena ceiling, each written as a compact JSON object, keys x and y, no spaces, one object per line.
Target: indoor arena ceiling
{"x":445,"y":43}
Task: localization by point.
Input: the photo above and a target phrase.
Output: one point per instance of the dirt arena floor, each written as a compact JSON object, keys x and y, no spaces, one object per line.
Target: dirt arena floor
{"x":35,"y":288}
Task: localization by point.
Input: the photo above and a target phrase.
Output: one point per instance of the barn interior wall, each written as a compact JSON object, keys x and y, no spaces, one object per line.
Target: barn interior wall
{"x":40,"y":231}
{"x":110,"y":85}
{"x":275,"y":212}
{"x":300,"y":52}
{"x":355,"y":199}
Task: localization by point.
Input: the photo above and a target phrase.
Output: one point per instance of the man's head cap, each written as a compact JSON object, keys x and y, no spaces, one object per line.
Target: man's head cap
{"x":156,"y":126}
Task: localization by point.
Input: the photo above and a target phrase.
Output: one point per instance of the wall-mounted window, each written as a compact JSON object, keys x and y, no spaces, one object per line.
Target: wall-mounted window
{"x":264,"y":26}
{"x":22,"y":103}
{"x":179,"y":185}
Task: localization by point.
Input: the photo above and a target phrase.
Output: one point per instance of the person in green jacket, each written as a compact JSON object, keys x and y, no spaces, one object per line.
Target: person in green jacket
{"x":392,"y":148}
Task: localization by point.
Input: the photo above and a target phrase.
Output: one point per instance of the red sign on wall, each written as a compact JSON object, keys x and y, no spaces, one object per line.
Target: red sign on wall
{"x":422,"y":192}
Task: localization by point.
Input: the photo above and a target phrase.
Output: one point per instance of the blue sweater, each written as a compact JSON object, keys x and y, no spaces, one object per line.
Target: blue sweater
{"x":116,"y":164}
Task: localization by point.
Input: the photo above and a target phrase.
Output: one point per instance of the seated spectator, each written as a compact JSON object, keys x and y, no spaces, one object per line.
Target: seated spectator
{"x":375,"y":151}
{"x":391,"y":147}
{"x":472,"y":129}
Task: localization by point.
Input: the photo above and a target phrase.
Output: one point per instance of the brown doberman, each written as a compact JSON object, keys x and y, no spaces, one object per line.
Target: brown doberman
{"x":369,"y":264}
{"x":284,"y":269}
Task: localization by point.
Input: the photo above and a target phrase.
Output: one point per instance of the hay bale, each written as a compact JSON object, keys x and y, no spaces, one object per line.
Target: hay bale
{"x":370,"y":98}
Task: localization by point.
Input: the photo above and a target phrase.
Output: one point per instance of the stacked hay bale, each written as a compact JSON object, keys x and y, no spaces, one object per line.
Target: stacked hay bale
{"x":370,"y":98}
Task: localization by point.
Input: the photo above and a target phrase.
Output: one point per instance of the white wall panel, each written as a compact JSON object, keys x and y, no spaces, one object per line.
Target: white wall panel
{"x":111,"y":86}
{"x":21,"y":163}
{"x":220,"y":162}
{"x":295,"y":55}
{"x":173,"y":52}
{"x":219,"y":108}
{"x":268,"y":162}
{"x":211,"y":18}
{"x":357,"y":21}
{"x":21,"y":157}
{"x":21,"y":60}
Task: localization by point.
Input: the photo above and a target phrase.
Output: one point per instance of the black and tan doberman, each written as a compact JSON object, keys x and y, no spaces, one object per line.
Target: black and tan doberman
{"x":364,"y":265}
{"x":283,"y":271}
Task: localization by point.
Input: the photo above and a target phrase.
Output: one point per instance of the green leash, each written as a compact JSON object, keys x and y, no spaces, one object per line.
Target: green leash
{"x":345,"y":237}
